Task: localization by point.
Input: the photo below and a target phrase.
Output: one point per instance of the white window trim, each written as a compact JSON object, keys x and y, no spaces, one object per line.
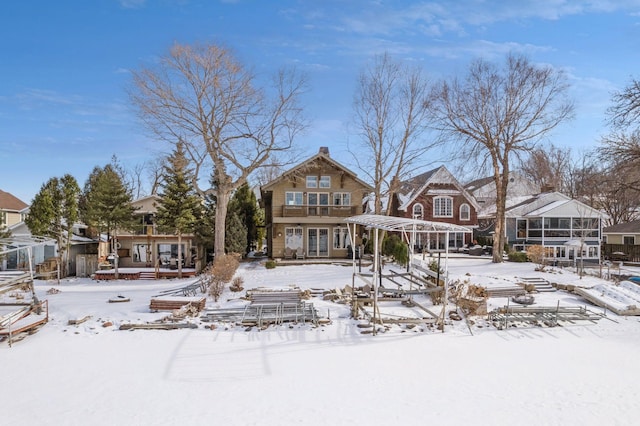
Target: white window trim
{"x":468,"y":218}
{"x":413,"y":211}
{"x":442,"y":197}
{"x":629,"y":236}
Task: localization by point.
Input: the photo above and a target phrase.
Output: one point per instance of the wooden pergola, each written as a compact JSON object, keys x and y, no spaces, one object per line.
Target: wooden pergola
{"x":408,"y":229}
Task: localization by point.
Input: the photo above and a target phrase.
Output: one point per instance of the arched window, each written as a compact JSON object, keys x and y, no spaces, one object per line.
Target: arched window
{"x":418,"y":213}
{"x":443,"y":207}
{"x":465,"y":212}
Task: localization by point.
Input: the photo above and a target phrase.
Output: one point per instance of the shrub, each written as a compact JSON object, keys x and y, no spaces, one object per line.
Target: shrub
{"x":393,"y":246}
{"x":237,"y":284}
{"x":270,"y":264}
{"x":536,"y":255}
{"x":216,"y":287}
{"x":518,"y":256}
{"x":225,"y":266}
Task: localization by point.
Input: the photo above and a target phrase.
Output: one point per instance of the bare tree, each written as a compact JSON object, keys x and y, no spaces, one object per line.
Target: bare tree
{"x":625,"y":110}
{"x":498,"y":114}
{"x":546,"y":166}
{"x":391,"y":110}
{"x":203,"y":96}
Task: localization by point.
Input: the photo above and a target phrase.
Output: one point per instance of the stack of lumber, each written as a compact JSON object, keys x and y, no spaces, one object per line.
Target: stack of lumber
{"x":265,"y":296}
{"x":170,"y":303}
{"x":505,"y":291}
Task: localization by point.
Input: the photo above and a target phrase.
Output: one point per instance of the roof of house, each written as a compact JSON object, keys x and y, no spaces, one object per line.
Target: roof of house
{"x":551,"y":203}
{"x":632,"y":227}
{"x":413,"y":187}
{"x":322,"y":155}
{"x":10,"y":202}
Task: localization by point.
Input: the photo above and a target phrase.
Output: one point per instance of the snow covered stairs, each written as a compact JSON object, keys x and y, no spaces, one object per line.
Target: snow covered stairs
{"x":540,"y":284}
{"x":147,"y":275}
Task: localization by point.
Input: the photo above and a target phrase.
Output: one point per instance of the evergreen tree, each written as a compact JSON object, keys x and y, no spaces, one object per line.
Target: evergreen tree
{"x":235,"y":235}
{"x":179,"y":206}
{"x":205,"y":227}
{"x":244,"y":205}
{"x":106,"y":205}
{"x":53,"y":213}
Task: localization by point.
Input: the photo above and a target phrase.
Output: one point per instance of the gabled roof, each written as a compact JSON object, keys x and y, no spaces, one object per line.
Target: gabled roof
{"x":412,"y":188}
{"x":321,"y":156}
{"x":550,"y":204}
{"x":10,"y":203}
{"x":632,"y":227}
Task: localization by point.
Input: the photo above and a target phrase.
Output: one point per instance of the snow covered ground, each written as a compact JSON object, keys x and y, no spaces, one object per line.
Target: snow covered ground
{"x":581,"y":373}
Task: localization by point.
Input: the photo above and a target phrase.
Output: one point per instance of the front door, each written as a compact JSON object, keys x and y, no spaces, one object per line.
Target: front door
{"x":318,"y":242}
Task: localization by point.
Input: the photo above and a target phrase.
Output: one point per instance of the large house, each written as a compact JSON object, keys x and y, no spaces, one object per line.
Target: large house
{"x":437,"y":196}
{"x":145,"y":246}
{"x":306,"y":206}
{"x":12,"y":210}
{"x":567,"y":228}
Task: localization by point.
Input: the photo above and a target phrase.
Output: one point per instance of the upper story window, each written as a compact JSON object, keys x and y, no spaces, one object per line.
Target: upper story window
{"x":418,"y":211}
{"x":293,"y":198}
{"x":325,"y":181}
{"x":318,"y":199}
{"x":341,"y":199}
{"x":312,"y":181}
{"x":628,"y":240}
{"x":443,"y":207}
{"x":465,"y":212}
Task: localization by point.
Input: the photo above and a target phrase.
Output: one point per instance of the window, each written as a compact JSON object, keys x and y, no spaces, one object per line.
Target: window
{"x":142,"y":253}
{"x":341,"y":199}
{"x":456,"y":239}
{"x":293,"y":198}
{"x":628,"y":240}
{"x":442,"y":207}
{"x":341,"y":238}
{"x":293,"y":238}
{"x":325,"y":182}
{"x":318,"y":199}
{"x":521,"y":229}
{"x":418,"y":211}
{"x":465,"y":212}
{"x":312,"y":181}
{"x":166,"y":252}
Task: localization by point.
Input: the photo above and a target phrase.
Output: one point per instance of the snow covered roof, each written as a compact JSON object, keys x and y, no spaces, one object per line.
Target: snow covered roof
{"x":412,"y":188}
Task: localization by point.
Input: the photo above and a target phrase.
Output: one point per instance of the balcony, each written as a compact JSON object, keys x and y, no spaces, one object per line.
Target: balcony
{"x":305,"y":210}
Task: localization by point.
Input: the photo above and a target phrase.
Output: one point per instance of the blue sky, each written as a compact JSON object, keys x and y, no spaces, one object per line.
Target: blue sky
{"x":65,"y":64}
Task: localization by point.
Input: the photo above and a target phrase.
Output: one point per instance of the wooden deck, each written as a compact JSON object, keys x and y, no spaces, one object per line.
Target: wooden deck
{"x":142,"y":274}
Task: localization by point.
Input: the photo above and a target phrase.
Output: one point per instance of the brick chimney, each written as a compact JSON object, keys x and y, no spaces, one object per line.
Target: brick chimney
{"x":324,"y":150}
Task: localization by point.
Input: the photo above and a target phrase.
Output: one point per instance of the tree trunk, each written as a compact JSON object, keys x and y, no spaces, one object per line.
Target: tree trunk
{"x":180,"y":254}
{"x":501,"y":181}
{"x":222,"y":204}
{"x":114,"y":249}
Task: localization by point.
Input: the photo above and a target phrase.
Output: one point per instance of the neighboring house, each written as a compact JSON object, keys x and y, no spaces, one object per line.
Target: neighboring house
{"x":83,"y":258}
{"x":622,"y":239}
{"x":306,"y":206}
{"x":437,"y":196}
{"x":145,"y":245}
{"x":12,"y":210}
{"x":561,"y":224}
{"x":484,"y":189}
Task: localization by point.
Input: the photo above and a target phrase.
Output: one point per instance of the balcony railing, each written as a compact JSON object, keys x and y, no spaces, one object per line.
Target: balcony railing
{"x":305,"y":210}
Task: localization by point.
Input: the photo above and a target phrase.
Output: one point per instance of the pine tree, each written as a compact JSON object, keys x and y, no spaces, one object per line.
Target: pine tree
{"x":244,"y":205}
{"x":235,"y":235}
{"x":53,"y":213}
{"x":179,"y":206}
{"x":106,"y":205}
